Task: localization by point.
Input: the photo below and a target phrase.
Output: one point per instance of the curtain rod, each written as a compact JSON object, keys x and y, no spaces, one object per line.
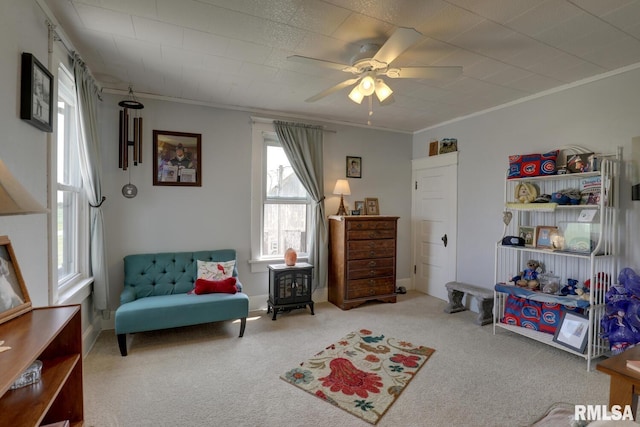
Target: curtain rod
{"x":255,"y":120}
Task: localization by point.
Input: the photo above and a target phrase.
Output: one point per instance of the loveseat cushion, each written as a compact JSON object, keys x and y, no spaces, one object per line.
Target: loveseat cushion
{"x":170,"y":311}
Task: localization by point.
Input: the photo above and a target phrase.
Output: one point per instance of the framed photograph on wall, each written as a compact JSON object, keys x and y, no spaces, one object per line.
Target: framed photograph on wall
{"x":371,"y":206}
{"x":14,"y":298}
{"x":36,"y":93}
{"x":177,"y":158}
{"x":354,"y":167}
{"x":572,"y":331}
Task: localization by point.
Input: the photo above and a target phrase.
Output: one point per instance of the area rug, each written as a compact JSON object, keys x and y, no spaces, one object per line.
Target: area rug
{"x":363,"y":373}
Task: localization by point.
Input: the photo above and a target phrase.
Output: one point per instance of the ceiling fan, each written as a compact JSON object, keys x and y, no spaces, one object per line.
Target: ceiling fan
{"x":373,"y":62}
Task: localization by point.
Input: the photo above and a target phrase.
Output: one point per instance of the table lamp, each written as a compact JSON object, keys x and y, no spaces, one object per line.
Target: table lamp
{"x":342,"y":188}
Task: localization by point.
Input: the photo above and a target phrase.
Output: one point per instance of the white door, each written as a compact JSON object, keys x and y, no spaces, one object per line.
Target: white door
{"x":434,"y":223}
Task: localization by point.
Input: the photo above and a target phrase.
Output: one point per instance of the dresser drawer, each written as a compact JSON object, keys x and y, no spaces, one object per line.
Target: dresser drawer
{"x":371,"y":225}
{"x":370,"y":287}
{"x":363,"y":264}
{"x":372,"y":272}
{"x":370,"y":234}
{"x":362,"y":249}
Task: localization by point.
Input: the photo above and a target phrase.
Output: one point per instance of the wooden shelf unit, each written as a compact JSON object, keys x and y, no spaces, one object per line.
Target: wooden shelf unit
{"x":52,"y":335}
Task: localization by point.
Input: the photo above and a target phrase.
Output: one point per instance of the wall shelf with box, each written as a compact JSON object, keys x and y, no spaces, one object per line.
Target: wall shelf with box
{"x":575,"y":242}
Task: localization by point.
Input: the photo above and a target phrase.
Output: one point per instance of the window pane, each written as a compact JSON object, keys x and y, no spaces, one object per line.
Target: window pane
{"x":280,"y":180}
{"x":67,"y":234}
{"x":285,"y":226}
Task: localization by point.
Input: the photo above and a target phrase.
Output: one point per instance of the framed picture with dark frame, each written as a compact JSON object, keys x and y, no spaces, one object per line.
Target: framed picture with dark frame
{"x":36,"y":93}
{"x":14,"y":298}
{"x":178,"y":158}
{"x":573,"y":331}
{"x":354,"y":167}
{"x":359,"y":206}
{"x":371,"y":206}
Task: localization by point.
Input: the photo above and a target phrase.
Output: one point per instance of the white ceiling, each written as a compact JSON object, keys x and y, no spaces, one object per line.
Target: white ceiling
{"x":234,"y":52}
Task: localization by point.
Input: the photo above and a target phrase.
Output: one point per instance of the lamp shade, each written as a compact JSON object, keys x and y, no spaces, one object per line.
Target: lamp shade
{"x":355,"y":95}
{"x":367,"y":85}
{"x":342,"y":187}
{"x":14,"y":198}
{"x":382,"y":90}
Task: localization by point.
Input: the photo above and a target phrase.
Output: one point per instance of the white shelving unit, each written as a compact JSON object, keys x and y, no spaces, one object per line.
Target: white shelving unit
{"x":602,"y":259}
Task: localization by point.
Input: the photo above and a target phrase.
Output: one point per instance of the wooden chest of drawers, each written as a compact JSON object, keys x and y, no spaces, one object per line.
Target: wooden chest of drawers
{"x":362,"y":259}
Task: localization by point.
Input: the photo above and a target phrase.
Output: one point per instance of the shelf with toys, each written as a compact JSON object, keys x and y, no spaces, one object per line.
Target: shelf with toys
{"x":559,"y":251}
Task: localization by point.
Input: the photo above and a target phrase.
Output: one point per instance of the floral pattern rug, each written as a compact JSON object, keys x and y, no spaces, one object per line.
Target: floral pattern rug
{"x":363,"y":373}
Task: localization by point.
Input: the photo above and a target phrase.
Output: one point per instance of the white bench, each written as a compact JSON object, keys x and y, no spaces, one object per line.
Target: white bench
{"x":483,"y":296}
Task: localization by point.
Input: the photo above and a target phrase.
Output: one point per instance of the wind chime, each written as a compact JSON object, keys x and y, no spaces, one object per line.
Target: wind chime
{"x":131,"y":103}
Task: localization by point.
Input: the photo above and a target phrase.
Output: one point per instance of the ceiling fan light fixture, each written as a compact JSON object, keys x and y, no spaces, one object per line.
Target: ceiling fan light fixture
{"x":355,"y":95}
{"x":367,"y":85}
{"x":382,"y":90}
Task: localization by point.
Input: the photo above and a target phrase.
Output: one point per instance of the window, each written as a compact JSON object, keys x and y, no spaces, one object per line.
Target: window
{"x":284,"y":206}
{"x":69,"y":216}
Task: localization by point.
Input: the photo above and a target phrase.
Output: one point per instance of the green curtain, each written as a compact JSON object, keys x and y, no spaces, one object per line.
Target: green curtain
{"x":303,"y":146}
{"x":91,"y":169}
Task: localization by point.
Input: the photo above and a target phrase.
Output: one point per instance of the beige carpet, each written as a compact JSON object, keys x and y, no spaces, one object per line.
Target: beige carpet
{"x":207,"y":376}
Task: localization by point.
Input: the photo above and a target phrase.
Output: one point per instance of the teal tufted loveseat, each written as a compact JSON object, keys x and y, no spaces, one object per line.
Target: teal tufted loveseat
{"x":155,"y":294}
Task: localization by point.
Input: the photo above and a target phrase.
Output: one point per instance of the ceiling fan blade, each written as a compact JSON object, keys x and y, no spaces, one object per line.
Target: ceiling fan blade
{"x":319,"y":62}
{"x":400,"y":40}
{"x":424,"y":72}
{"x":332,"y":89}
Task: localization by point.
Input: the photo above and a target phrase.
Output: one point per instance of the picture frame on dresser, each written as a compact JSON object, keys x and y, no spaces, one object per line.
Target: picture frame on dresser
{"x":371,"y":206}
{"x":14,"y":298}
{"x":572,"y":332}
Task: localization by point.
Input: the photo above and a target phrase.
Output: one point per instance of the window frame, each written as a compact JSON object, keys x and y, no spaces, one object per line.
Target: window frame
{"x":264,"y":134}
{"x":74,"y":287}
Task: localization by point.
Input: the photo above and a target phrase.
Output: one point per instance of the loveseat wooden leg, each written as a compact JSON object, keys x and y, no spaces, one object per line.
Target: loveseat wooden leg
{"x":122,"y":343}
{"x":243,"y":323}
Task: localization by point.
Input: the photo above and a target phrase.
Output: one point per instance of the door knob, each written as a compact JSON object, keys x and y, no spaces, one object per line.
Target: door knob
{"x":445,"y":240}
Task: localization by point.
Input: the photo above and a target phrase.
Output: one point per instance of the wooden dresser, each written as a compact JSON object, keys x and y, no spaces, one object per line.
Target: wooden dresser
{"x":362,"y":259}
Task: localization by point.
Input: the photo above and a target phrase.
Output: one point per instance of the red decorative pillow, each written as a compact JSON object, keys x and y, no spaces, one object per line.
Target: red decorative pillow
{"x":226,"y":286}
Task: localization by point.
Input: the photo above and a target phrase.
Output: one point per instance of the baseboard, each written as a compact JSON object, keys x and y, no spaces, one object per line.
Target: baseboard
{"x":90,"y":336}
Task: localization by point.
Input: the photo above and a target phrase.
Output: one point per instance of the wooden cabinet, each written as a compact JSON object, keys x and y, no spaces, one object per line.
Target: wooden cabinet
{"x":362,"y":259}
{"x":290,"y":287}
{"x":52,"y":335}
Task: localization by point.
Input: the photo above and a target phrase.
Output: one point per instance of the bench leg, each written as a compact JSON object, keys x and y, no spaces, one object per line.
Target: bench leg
{"x":485,"y":311}
{"x":122,"y":343}
{"x":455,"y":302}
{"x":243,"y":324}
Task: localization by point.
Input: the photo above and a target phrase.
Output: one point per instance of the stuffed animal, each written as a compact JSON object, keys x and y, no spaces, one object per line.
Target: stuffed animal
{"x":570,"y":288}
{"x":529,"y":277}
{"x":525,"y":192}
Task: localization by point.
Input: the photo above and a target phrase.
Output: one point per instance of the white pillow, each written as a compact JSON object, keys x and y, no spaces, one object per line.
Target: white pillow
{"x":215,"y":270}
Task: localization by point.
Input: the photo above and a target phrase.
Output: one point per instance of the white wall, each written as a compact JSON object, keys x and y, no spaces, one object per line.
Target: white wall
{"x":217,"y":215}
{"x":23,"y":148}
{"x":599,"y":115}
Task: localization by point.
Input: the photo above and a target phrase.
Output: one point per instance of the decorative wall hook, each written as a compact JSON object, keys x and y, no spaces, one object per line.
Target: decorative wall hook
{"x":131,"y":103}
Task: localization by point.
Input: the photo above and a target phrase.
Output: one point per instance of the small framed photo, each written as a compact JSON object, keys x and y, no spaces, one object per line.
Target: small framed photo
{"x":577,"y":163}
{"x":433,"y":148}
{"x":14,"y":298}
{"x":572,"y":331}
{"x":359,"y":206}
{"x":177,"y":158}
{"x":371,"y":206}
{"x":354,"y":167}
{"x":544,"y":236}
{"x":529,"y":235}
{"x":448,"y":145}
{"x":36,"y":93}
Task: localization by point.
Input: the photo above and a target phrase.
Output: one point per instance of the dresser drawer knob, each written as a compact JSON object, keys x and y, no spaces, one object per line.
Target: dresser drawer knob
{"x":372,"y":263}
{"x":372,"y":273}
{"x":372,"y":291}
{"x":372,"y":253}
